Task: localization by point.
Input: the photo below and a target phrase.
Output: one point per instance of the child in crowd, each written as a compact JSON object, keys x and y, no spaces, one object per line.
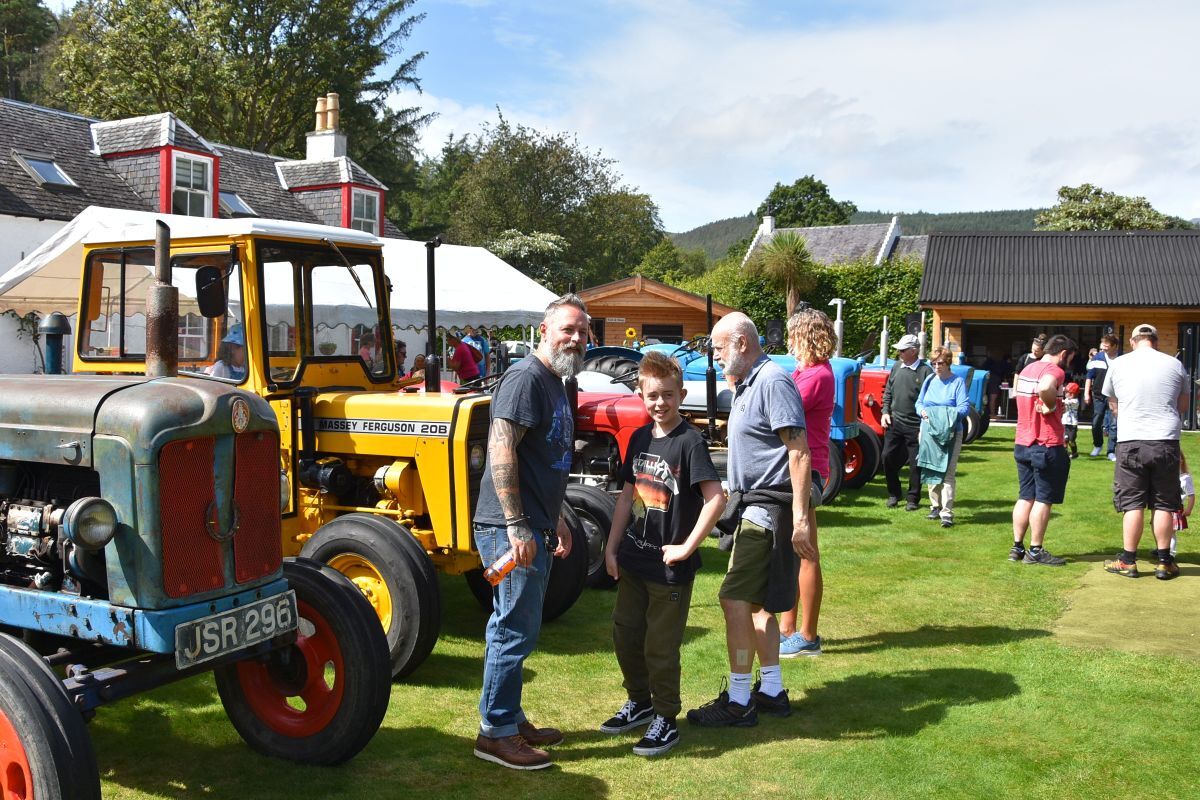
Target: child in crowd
{"x":673,"y":493}
{"x":1070,"y":417}
{"x":1187,"y":491}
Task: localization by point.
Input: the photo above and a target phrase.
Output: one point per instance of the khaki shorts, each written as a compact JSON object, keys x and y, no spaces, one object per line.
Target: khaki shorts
{"x":746,"y":578}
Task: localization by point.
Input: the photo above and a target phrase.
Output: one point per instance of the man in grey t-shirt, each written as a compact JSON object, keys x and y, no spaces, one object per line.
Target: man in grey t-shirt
{"x":767,"y":450}
{"x":1145,"y":389}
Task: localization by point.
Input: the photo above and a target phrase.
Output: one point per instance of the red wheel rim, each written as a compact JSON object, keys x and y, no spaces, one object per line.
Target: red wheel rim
{"x":305,"y":710}
{"x":853,"y":458}
{"x":16,"y":781}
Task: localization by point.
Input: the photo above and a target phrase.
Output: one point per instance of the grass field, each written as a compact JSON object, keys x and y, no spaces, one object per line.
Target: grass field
{"x":948,"y":672}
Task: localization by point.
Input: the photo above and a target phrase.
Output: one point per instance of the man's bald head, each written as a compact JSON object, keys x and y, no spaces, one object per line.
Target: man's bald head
{"x":735,"y":345}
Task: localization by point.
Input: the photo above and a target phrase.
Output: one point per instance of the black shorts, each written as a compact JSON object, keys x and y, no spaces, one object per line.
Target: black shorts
{"x":1147,"y":476}
{"x":1042,"y":472}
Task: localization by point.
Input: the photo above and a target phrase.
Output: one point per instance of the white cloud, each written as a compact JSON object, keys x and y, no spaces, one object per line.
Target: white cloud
{"x":949,"y":108}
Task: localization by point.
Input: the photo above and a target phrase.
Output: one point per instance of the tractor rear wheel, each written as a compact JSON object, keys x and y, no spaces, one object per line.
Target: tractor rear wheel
{"x":396,"y":576}
{"x":568,"y":576}
{"x":837,"y":473}
{"x":595,"y":508}
{"x":45,"y":751}
{"x":321,"y":699}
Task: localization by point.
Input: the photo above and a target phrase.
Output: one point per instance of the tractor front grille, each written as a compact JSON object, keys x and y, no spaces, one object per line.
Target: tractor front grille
{"x":192,"y":561}
{"x":257,"y":548}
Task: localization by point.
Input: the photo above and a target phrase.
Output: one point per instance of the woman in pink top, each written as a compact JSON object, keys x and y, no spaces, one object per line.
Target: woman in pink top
{"x":812,"y":340}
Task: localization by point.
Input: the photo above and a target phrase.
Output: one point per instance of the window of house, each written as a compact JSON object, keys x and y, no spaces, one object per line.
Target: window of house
{"x":364,"y":212}
{"x":232,"y":205}
{"x":193,"y":186}
{"x":43,"y":169}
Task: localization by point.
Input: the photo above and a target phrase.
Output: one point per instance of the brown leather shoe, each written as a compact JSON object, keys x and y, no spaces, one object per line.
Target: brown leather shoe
{"x":511,"y":751}
{"x":539,"y":737}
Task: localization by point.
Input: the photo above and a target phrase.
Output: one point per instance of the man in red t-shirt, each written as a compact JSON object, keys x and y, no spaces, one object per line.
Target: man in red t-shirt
{"x":1040,"y":453}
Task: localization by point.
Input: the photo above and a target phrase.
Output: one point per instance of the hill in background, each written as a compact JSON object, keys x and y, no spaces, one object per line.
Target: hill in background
{"x":715,"y":238}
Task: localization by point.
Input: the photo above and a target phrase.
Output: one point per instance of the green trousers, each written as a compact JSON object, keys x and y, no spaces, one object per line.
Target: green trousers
{"x":649,"y":619}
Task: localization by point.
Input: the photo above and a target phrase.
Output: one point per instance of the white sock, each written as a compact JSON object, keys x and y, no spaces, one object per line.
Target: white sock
{"x":1172,"y":548}
{"x":772,"y":680}
{"x":739,"y":688}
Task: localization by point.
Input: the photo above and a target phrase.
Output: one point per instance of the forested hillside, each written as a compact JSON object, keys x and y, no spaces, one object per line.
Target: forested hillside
{"x":716,"y":237}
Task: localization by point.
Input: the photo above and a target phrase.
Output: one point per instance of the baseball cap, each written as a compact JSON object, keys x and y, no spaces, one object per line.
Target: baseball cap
{"x":1145,"y":329}
{"x":907,"y":342}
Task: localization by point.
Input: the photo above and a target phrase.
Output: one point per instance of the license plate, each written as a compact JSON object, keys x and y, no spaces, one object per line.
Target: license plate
{"x":212,"y":637}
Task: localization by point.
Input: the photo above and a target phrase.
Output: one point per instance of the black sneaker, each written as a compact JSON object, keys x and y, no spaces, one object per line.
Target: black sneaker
{"x":778,"y":706}
{"x":632,"y":715}
{"x":721,"y":713}
{"x":1044,"y":558}
{"x":934,"y":513}
{"x":1016,"y":553}
{"x":892,"y":502}
{"x":661,"y":736}
{"x":947,"y":522}
{"x":911,"y":506}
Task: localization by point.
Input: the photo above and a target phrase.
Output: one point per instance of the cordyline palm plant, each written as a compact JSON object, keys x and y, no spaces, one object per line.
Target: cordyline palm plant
{"x":785,"y":263}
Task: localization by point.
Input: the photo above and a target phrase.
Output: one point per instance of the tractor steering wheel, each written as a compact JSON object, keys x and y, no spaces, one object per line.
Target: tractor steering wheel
{"x":484,"y":383}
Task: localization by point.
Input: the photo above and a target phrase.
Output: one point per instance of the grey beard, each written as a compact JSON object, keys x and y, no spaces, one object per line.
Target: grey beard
{"x":566,"y":364}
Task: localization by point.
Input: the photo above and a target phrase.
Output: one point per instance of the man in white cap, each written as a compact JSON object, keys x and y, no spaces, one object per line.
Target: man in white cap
{"x":902,"y":423}
{"x":1146,"y":390}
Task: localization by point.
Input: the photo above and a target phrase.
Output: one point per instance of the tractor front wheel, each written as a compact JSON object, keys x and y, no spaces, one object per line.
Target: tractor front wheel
{"x":595,"y":508}
{"x":45,"y":751}
{"x":321,"y":699}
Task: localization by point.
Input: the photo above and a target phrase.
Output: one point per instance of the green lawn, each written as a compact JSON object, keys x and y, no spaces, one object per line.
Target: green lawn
{"x":945,"y":674}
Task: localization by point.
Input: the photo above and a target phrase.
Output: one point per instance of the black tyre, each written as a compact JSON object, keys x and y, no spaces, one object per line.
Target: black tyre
{"x":615,"y":367}
{"x":595,"y":508}
{"x":393,"y":573}
{"x":985,"y":422}
{"x":45,"y":751}
{"x":568,"y":576}
{"x":320,"y":700}
{"x":972,"y":431}
{"x":837,"y":473}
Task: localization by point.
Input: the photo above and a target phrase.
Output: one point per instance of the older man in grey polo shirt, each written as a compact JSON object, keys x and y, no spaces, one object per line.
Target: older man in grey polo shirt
{"x":770,"y":481}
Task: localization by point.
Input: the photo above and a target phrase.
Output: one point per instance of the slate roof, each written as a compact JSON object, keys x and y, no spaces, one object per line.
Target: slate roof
{"x":910,"y":246}
{"x":67,"y":138}
{"x":836,"y":244}
{"x":77,"y":143}
{"x":1093,"y":268}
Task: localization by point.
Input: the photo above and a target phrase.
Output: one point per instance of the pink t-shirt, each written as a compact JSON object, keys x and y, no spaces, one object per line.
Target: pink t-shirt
{"x":1032,"y":427}
{"x":816,"y":387}
{"x":467,"y":370}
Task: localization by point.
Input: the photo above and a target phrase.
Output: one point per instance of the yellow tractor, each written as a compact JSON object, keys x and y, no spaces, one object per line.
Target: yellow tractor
{"x":379,"y":474}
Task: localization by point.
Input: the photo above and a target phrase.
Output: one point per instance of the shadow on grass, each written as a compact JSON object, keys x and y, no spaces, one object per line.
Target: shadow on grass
{"x":149,"y":756}
{"x":868,"y":706}
{"x":934,"y":636}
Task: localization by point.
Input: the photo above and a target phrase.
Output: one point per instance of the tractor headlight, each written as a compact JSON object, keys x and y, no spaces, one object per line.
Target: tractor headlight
{"x":90,"y":522}
{"x":476,"y":458}
{"x":285,"y":490}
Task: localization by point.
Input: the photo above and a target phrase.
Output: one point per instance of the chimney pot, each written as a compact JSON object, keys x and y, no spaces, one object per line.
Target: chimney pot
{"x":333,"y":113}
{"x":321,"y":105}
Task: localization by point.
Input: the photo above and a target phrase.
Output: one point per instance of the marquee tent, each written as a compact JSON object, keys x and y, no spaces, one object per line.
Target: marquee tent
{"x":474,"y":287}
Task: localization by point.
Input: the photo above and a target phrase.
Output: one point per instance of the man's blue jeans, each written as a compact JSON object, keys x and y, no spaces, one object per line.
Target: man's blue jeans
{"x":512,"y":631}
{"x":1103,"y":424}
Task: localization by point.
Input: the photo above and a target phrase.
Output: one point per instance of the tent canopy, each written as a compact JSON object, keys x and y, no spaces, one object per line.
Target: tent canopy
{"x":474,"y":287}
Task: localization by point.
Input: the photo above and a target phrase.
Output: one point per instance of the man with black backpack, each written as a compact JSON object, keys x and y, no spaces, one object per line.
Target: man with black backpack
{"x":901,"y":422}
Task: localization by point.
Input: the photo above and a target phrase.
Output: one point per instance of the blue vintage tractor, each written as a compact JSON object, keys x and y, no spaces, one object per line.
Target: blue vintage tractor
{"x":140,"y":544}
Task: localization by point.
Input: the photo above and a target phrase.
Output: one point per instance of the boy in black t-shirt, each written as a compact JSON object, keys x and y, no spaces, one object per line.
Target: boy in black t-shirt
{"x":673,"y":492}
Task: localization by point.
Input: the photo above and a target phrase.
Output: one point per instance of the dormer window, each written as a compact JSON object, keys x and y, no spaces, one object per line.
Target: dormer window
{"x":44,"y":170}
{"x":232,"y":205}
{"x":364,"y":211}
{"x":192,"y":195}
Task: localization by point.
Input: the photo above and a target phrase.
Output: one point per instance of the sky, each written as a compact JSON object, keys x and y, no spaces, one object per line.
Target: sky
{"x":933,"y":105}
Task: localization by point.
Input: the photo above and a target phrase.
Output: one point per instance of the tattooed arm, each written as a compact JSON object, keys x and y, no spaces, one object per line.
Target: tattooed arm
{"x":503,"y":439}
{"x":800,"y":471}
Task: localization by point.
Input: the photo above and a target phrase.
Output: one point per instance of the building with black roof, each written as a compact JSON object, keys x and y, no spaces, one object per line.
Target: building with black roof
{"x":53,"y":164}
{"x":992,"y":292}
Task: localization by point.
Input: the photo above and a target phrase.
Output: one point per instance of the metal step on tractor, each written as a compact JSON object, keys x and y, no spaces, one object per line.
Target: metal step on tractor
{"x":380,"y":473}
{"x":140,"y":544}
